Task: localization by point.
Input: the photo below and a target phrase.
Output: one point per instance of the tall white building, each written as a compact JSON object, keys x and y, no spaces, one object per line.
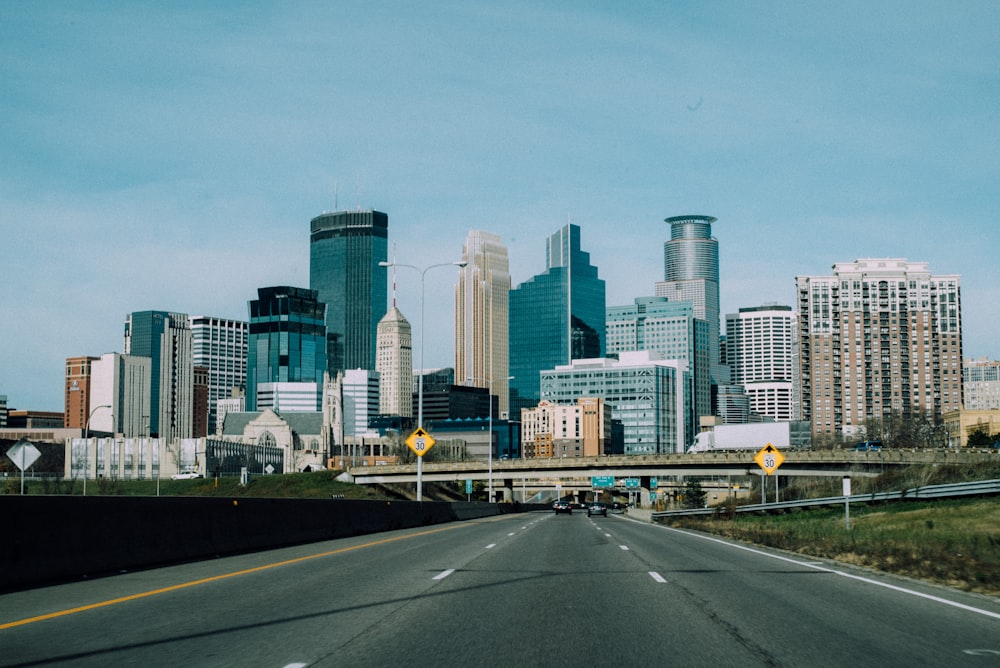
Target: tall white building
{"x":760,"y":352}
{"x":394,"y":364}
{"x":981,"y":384}
{"x":121,"y":382}
{"x":360,"y":397}
{"x":220,"y":345}
{"x":880,"y":337}
{"x":481,"y":316}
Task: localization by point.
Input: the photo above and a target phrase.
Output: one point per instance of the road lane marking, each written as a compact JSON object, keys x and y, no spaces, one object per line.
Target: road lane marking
{"x":827,"y":569}
{"x":624,"y":547}
{"x":656,"y":576}
{"x":607,"y":535}
{"x":491,"y":546}
{"x":223,"y":576}
{"x":443,"y":574}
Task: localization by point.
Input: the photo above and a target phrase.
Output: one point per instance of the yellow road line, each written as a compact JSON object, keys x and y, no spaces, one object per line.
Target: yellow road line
{"x":193,"y":583}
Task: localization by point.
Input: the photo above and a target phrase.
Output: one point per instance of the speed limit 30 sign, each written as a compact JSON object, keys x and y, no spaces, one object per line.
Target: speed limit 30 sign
{"x":769,"y":458}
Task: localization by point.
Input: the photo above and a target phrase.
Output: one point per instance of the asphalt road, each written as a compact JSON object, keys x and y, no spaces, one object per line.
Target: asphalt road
{"x":517,"y":590}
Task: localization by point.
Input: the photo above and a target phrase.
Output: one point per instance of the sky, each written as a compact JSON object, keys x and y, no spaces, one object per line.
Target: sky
{"x":170,"y":156}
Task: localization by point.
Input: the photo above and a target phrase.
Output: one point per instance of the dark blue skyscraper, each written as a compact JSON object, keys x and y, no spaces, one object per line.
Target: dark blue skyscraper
{"x":555,"y":317}
{"x":287,"y":340}
{"x":345,"y":248}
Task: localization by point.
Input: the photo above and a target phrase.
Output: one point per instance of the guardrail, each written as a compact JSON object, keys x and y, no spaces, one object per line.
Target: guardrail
{"x":976,"y":488}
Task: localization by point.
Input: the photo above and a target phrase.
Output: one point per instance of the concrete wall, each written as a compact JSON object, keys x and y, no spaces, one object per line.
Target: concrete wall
{"x":56,"y":538}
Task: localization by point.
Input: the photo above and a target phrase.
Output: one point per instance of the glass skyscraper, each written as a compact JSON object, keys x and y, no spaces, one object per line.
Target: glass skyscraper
{"x":345,"y":249}
{"x":165,"y":338}
{"x":555,"y":317}
{"x":287,"y":340}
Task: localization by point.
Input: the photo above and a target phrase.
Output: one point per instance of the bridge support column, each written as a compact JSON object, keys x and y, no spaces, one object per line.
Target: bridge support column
{"x":506,"y":493}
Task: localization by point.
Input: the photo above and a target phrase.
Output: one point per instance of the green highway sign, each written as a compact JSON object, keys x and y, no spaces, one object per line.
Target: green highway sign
{"x":598,"y":481}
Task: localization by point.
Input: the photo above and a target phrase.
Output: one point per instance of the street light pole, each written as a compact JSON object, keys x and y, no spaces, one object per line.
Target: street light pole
{"x":420,"y":378}
{"x":86,"y":444}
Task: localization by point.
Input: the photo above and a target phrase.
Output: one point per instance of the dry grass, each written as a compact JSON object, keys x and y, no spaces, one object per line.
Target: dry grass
{"x":956,"y":543}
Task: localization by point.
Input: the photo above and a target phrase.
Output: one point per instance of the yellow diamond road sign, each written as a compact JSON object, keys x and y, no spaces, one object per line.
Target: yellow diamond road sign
{"x":769,"y":458}
{"x":420,"y":442}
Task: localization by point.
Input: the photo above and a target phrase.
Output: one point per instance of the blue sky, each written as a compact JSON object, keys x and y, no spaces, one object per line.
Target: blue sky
{"x":171,"y":155}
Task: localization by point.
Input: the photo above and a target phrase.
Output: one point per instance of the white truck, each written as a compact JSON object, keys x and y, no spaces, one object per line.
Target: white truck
{"x":752,"y":436}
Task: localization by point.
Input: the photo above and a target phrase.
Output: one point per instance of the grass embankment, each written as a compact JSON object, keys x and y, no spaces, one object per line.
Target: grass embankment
{"x":950,"y":542}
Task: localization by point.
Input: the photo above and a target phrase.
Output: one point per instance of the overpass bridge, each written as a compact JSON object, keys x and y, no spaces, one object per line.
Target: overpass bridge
{"x":574,"y":474}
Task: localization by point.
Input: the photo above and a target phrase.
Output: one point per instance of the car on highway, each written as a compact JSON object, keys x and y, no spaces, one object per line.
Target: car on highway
{"x":188,"y":475}
{"x":597,"y":508}
{"x":868,"y":446}
{"x":618,"y":508}
{"x":562,"y":507}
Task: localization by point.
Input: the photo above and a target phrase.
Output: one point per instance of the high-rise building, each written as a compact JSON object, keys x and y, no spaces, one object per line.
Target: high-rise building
{"x":691,"y":273}
{"x":760,"y":351}
{"x":481,"y":315}
{"x":555,"y":317}
{"x":199,"y":411}
{"x":360,"y":392}
{"x":394,"y":364}
{"x":165,"y":338}
{"x":581,"y":429}
{"x":3,"y":410}
{"x":220,"y":345}
{"x":287,"y":344}
{"x":77,"y":398}
{"x":345,"y":249}
{"x":646,"y":394}
{"x":981,"y":384}
{"x":671,"y":331}
{"x":880,"y":337}
{"x":121,"y":383}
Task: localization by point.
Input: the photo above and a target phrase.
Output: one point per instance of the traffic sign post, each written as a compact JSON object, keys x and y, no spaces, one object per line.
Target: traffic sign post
{"x":23,"y":454}
{"x":420,"y":442}
{"x":769,"y":458}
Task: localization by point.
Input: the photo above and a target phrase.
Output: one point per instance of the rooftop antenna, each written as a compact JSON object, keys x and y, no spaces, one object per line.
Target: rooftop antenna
{"x":394,"y":275}
{"x":335,"y":194}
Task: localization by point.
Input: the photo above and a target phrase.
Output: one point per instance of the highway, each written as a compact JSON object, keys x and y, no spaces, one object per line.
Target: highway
{"x":534,"y":589}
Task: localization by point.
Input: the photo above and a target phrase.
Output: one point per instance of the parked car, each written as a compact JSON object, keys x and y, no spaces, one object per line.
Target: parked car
{"x":562,"y":507}
{"x":189,"y":475}
{"x":597,"y":508}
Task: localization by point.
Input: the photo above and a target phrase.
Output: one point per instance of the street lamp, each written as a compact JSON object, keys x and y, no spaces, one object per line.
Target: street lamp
{"x":86,"y":444}
{"x":489,"y":396}
{"x":420,"y":379}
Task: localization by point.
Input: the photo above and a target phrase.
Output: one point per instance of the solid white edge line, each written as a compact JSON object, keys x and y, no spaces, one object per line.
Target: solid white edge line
{"x":827,"y":569}
{"x":443,"y":574}
{"x":656,"y":576}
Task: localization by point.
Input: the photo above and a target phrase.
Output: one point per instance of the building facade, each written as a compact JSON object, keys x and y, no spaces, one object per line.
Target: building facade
{"x":879,"y":337}
{"x":220,"y":345}
{"x":761,"y":355}
{"x":360,"y":396}
{"x":286,"y":343}
{"x":646,"y":395}
{"x":555,"y":317}
{"x":165,"y":338}
{"x":120,"y":399}
{"x":582,"y":429}
{"x":345,"y":249}
{"x":981,"y":384}
{"x":481,"y":315}
{"x":394,"y":364}
{"x":77,"y":396}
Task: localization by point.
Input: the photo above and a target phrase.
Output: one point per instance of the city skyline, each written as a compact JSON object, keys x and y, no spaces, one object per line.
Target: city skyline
{"x":171,"y":158}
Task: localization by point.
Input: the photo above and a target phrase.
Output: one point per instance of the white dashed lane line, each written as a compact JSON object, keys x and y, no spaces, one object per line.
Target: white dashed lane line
{"x":656,"y":576}
{"x":443,"y":574}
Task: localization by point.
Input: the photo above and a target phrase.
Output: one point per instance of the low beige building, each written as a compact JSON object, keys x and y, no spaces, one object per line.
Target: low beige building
{"x":960,"y":424}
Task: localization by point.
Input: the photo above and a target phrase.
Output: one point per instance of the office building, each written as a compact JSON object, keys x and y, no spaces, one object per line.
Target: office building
{"x":394,"y":364}
{"x":878,"y":338}
{"x":220,"y":345}
{"x":672,"y":332}
{"x":165,"y":338}
{"x":286,"y":344}
{"x":120,"y":395}
{"x":345,"y":249}
{"x":77,"y":395}
{"x":3,"y":410}
{"x":555,"y":317}
{"x":481,"y":315}
{"x":360,"y":397}
{"x":647,"y":395}
{"x":981,"y":384}
{"x":581,"y":429}
{"x":691,"y":273}
{"x":760,"y":352}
